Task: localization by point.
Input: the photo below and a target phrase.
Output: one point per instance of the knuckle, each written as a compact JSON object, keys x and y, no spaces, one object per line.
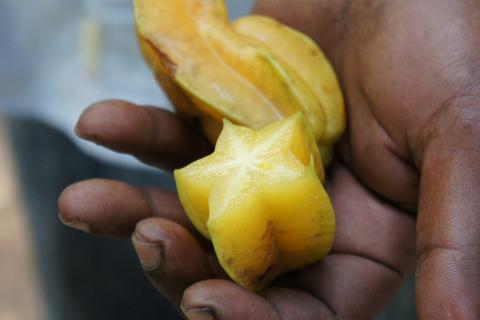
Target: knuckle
{"x":455,"y":126}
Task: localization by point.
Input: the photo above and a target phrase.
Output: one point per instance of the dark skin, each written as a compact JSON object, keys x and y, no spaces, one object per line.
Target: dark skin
{"x":404,"y":186}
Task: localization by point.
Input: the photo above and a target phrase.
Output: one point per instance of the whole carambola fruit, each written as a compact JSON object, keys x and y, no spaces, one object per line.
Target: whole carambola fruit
{"x":253,"y":71}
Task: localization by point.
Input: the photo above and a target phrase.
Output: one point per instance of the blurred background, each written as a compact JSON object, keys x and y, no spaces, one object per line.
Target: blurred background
{"x":56,"y":58}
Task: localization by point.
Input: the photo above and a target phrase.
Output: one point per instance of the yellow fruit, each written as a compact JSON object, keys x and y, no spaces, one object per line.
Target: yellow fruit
{"x":301,"y":54}
{"x":252,"y":72}
{"x":260,"y":201}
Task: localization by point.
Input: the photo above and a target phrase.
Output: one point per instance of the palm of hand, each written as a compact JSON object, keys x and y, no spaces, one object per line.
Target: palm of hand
{"x":387,"y":67}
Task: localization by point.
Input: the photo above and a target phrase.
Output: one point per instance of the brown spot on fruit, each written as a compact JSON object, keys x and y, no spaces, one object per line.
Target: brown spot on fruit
{"x":169,"y":66}
{"x":268,"y":232}
{"x":265,"y":274}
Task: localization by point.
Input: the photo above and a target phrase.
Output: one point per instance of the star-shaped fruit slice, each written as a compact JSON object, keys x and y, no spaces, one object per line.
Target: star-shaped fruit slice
{"x":260,"y":200}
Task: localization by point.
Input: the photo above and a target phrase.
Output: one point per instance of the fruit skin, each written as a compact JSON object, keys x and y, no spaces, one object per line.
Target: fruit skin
{"x":301,"y":54}
{"x":211,"y":123}
{"x":252,"y":72}
{"x":260,"y":201}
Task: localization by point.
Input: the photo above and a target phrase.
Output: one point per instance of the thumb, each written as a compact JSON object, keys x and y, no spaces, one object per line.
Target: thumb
{"x":448,"y":241}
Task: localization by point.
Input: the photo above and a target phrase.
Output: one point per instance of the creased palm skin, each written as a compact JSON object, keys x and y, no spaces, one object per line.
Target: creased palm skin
{"x":404,"y":186}
{"x":410,"y":74}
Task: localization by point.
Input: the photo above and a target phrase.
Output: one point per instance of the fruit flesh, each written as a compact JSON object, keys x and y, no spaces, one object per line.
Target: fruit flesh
{"x":238,"y":71}
{"x":260,"y":201}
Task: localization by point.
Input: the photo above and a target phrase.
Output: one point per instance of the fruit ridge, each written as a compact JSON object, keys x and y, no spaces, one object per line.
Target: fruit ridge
{"x":260,"y":201}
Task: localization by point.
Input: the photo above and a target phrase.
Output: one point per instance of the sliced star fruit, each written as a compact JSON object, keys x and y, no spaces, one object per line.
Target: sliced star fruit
{"x":259,"y":199}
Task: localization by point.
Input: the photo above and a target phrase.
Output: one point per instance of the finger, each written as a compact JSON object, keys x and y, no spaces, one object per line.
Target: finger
{"x":295,"y":304}
{"x":113,"y":208}
{"x":222,"y":299}
{"x":170,"y":256}
{"x":340,"y":287}
{"x":352,"y":287}
{"x":448,"y":247}
{"x":153,"y":135}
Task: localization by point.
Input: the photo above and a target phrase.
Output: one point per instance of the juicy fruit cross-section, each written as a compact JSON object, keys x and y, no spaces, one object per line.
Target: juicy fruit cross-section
{"x":259,"y":199}
{"x":271,"y":98}
{"x":252,"y":71}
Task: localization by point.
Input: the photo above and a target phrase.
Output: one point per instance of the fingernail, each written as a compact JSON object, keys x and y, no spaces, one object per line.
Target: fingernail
{"x":198,"y":313}
{"x":76,"y":224}
{"x":85,"y":136}
{"x":77,"y":132}
{"x":150,"y":254}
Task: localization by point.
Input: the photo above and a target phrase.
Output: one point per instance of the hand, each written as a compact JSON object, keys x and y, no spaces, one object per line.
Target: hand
{"x":410,"y":71}
{"x":372,"y":253}
{"x":410,"y":74}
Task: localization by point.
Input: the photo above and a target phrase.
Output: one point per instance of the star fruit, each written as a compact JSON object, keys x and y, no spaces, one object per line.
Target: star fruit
{"x":259,"y":199}
{"x":253,"y":71}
